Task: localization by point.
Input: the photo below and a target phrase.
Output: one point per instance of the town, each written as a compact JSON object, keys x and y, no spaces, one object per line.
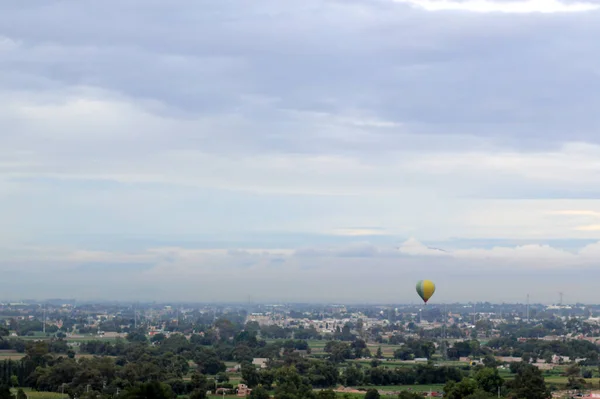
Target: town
{"x":477,"y":350}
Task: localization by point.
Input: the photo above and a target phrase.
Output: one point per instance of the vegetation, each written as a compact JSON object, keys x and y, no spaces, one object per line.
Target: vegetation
{"x":195,"y":355}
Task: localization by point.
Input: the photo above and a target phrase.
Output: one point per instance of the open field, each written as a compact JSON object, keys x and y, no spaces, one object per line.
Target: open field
{"x":38,"y":335}
{"x":392,"y":363}
{"x":41,"y":395}
{"x":11,"y":355}
{"x":559,"y":380}
{"x":386,"y":349}
{"x":317,"y":347}
{"x":415,"y":388}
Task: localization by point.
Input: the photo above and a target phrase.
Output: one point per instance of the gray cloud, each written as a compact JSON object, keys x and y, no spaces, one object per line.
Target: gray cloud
{"x":493,"y":75}
{"x":236,"y":126}
{"x":341,"y":273}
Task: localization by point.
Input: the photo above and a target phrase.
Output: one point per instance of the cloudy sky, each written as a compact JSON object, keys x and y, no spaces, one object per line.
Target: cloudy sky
{"x":324,"y":150}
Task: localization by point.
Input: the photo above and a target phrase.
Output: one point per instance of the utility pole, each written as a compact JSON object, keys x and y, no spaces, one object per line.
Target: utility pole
{"x":44,"y":323}
{"x":561,"y":298}
{"x":527,"y":308}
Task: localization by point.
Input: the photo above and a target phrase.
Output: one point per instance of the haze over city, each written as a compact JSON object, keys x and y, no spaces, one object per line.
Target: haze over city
{"x":300,"y":150}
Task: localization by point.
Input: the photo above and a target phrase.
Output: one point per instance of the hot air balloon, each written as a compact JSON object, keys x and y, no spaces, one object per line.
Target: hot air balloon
{"x":425,"y":289}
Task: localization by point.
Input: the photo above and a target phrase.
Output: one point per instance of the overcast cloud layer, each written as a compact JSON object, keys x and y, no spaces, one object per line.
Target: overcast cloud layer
{"x":163,"y":150}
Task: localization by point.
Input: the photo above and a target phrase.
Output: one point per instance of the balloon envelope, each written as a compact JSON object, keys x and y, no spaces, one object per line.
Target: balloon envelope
{"x":425,"y":289}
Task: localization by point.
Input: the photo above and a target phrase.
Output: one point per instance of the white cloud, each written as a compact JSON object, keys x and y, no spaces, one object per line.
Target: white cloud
{"x":414,"y":247}
{"x":530,"y":256}
{"x":357,"y":232}
{"x":402,"y":192}
{"x":7,"y":44}
{"x":366,"y":272}
{"x":357,"y":113}
{"x":510,"y":7}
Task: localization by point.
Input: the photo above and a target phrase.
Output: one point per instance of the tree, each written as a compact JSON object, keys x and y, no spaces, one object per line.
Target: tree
{"x":573,"y":372}
{"x":353,"y":376}
{"x":326,"y":394}
{"x":14,"y":381}
{"x":409,"y":395}
{"x":479,"y":394}
{"x":529,"y":383}
{"x":5,"y":392}
{"x":259,"y":393}
{"x":490,"y":361}
{"x":150,"y":390}
{"x":21,"y":394}
{"x":460,"y":390}
{"x":250,"y":375}
{"x":198,"y":394}
{"x":372,"y":393}
{"x":158,"y":338}
{"x":138,"y":335}
{"x":199,"y":381}
{"x":488,"y":379}
{"x":379,"y":354}
{"x":3,"y":332}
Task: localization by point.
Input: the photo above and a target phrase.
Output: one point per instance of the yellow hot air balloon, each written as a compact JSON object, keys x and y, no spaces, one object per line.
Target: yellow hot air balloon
{"x":425,"y":289}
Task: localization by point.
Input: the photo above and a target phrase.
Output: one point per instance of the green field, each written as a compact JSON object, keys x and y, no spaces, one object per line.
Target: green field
{"x":415,"y":388}
{"x":41,"y":395}
{"x":559,"y":380}
{"x":317,"y":347}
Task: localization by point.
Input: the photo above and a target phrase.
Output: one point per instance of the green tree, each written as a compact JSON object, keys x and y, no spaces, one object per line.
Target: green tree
{"x":379,"y":354}
{"x":529,"y":383}
{"x":5,"y":392}
{"x":21,"y":394}
{"x":14,"y":381}
{"x":573,"y":373}
{"x":372,"y":393}
{"x":3,"y":333}
{"x":259,"y":393}
{"x":490,"y":361}
{"x":479,"y":394}
{"x":409,"y":395}
{"x":353,"y":376}
{"x":199,"y":381}
{"x":138,"y":335}
{"x":250,"y":375}
{"x":326,"y":394}
{"x":462,"y":389}
{"x":488,"y":379}
{"x":198,"y":394}
{"x":150,"y":390}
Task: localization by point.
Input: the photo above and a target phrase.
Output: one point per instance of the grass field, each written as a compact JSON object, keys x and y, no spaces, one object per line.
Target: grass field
{"x":41,"y":395}
{"x":17,"y":356}
{"x":559,"y":380}
{"x":317,"y":347}
{"x":415,"y":388}
{"x":11,"y":355}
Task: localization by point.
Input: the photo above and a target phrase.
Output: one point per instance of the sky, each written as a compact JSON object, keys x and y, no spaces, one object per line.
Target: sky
{"x":314,"y":150}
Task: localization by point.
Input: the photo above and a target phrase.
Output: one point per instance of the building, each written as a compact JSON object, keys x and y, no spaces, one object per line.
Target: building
{"x":243,"y":390}
{"x":260,"y":361}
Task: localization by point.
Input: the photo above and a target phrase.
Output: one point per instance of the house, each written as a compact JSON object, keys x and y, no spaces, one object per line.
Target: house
{"x":301,"y":352}
{"x":260,"y":361}
{"x":243,"y":390}
{"x":234,"y":369}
